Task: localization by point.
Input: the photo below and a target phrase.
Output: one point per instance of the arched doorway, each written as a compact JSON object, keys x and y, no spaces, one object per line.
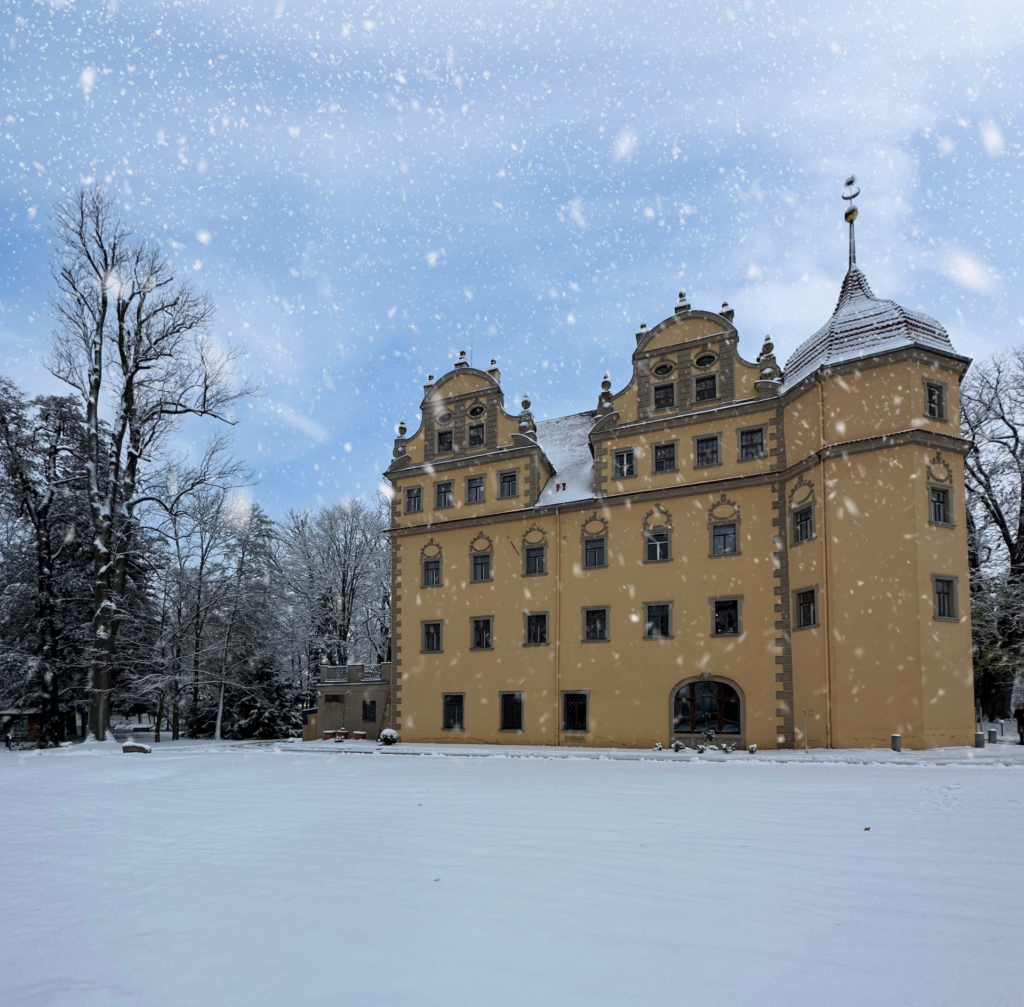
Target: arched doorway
{"x":708,"y":704}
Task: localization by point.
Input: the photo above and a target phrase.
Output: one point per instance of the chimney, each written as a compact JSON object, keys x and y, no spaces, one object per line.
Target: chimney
{"x":429,"y":385}
{"x":462,"y":361}
{"x":494,"y":372}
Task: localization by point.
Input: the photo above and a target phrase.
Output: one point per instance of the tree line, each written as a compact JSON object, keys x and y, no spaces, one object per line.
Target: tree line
{"x":136,"y":580}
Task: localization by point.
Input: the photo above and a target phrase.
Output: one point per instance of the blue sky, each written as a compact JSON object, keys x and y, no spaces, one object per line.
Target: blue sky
{"x":364,"y":191}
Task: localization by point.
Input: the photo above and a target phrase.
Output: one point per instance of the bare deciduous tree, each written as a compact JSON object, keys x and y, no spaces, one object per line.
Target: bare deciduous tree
{"x":992,"y":405}
{"x":133,"y":343}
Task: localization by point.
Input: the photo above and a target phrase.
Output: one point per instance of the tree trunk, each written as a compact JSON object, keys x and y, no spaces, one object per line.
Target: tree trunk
{"x":220,"y":712}
{"x":159,"y":716}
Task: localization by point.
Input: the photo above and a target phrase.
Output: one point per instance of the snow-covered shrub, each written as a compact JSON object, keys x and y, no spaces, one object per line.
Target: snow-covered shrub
{"x":752,"y":749}
{"x":389,"y":736}
{"x":657,"y":746}
{"x":677,"y":746}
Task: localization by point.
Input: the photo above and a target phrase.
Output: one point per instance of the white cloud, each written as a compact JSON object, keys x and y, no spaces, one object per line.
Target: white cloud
{"x":300,"y":422}
{"x":625,"y":145}
{"x":992,"y":137}
{"x":968,"y":272}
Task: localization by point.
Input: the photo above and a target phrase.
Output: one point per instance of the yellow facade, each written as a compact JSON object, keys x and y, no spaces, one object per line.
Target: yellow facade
{"x":707,"y":510}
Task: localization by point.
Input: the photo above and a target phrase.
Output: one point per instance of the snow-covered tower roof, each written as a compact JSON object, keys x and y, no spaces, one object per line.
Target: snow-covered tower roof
{"x":863,"y":325}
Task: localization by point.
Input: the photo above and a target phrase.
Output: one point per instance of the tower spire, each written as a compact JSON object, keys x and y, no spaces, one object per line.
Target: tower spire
{"x":850,"y":193}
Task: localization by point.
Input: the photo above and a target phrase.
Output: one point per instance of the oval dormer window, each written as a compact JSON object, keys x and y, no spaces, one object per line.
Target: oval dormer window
{"x":445,"y":418}
{"x":706,"y":360}
{"x":662,"y":369}
{"x":476,"y":411}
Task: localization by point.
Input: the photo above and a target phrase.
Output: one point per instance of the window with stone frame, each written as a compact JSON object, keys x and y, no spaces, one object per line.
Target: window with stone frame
{"x":481,"y":568}
{"x":444,"y":495}
{"x":706,"y":387}
{"x":727,"y":617}
{"x":707,"y":706}
{"x":593,"y":552}
{"x":369,"y":711}
{"x":475,"y":489}
{"x":414,"y":500}
{"x":664,"y":396}
{"x":707,"y":451}
{"x":656,"y":543}
{"x":432,"y":572}
{"x":944,"y":597}
{"x":476,"y":435}
{"x":806,"y":605}
{"x":482,"y":634}
{"x":625,"y":464}
{"x":723,"y":539}
{"x":595,"y":624}
{"x":510,"y":711}
{"x":574,"y":711}
{"x":432,"y":637}
{"x":445,"y":441}
{"x":803,"y":524}
{"x":509,"y":482}
{"x":751,"y":444}
{"x":657,"y":622}
{"x":939,"y":507}
{"x":664,"y":457}
{"x":935,"y":400}
{"x":453,"y":710}
{"x":536,"y":629}
{"x":535,"y":560}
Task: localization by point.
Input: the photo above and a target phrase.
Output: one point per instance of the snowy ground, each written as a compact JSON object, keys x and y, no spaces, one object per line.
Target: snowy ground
{"x":298,"y":874}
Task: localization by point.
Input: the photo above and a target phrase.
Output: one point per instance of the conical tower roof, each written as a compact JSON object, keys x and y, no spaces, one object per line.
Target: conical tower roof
{"x":861,"y":326}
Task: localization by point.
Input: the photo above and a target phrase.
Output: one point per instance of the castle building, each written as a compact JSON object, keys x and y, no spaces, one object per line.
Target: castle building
{"x":775,"y":554}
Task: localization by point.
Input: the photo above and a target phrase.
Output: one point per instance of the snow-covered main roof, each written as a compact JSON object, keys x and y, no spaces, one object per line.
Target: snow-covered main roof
{"x":863,"y":325}
{"x":566,"y":442}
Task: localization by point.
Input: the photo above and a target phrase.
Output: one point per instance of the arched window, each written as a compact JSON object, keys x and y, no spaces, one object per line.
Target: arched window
{"x":707,"y":706}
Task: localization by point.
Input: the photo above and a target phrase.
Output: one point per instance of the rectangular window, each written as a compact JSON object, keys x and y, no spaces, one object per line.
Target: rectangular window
{"x":706,"y":388}
{"x":443,"y":495}
{"x":935,"y":401}
{"x":334,"y":697}
{"x":664,"y":396}
{"x":723,"y":539}
{"x":432,"y":637}
{"x":657,"y":624}
{"x":803,"y":524}
{"x":940,"y":509}
{"x":414,"y":500}
{"x":369,"y":711}
{"x":511,"y":714}
{"x":453,"y":706}
{"x":534,"y":559}
{"x":482,"y":567}
{"x":806,"y":609}
{"x":431,"y":573}
{"x":593,"y":552}
{"x":574,"y":711}
{"x":707,"y":451}
{"x":665,"y":458}
{"x":509,"y":484}
{"x":727,"y":617}
{"x":945,"y":597}
{"x":625,"y":465}
{"x":482,"y":634}
{"x":751,"y":444}
{"x":476,"y":435}
{"x":657,"y":546}
{"x":536,"y":630}
{"x":445,"y":441}
{"x":595,"y":624}
{"x":475,"y":489}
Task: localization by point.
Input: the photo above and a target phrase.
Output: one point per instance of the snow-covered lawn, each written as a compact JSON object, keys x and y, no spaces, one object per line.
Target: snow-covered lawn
{"x":290,"y":875}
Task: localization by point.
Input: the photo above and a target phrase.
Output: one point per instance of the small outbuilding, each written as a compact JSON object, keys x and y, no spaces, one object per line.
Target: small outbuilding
{"x":351,"y":698}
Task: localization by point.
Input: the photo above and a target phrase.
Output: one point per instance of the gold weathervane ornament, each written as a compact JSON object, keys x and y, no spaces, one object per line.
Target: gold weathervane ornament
{"x":850,"y":193}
